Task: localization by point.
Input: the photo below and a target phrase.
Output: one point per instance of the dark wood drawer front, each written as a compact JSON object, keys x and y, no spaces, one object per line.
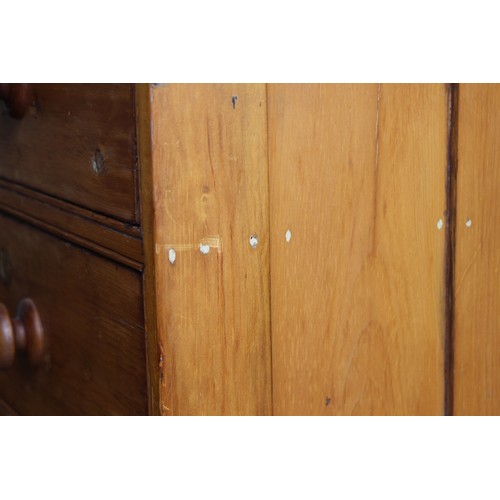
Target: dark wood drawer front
{"x":76,"y":143}
{"x":92,"y":314}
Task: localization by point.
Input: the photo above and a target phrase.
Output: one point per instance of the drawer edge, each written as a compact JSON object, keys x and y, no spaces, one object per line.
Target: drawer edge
{"x":102,"y":239}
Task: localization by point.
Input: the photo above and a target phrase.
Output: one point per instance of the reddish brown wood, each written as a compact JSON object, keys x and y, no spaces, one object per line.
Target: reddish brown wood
{"x":144,"y":148}
{"x":24,"y":332}
{"x":103,"y":220}
{"x":106,"y":236}
{"x":78,"y":145}
{"x":29,"y":332}
{"x":93,"y":315}
{"x":6,"y":410}
{"x":18,"y":97}
{"x":7,"y":340}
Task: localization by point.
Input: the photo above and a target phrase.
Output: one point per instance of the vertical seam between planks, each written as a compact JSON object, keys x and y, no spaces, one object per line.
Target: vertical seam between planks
{"x":451,"y":212}
{"x":269,"y":246}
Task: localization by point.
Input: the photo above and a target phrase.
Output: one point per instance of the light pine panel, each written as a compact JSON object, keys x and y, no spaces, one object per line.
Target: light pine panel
{"x":477,"y":265}
{"x":358,"y":177}
{"x":210,"y":187}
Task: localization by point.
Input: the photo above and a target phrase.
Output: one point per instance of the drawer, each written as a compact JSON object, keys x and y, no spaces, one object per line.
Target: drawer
{"x":92,"y":313}
{"x":77,"y":143}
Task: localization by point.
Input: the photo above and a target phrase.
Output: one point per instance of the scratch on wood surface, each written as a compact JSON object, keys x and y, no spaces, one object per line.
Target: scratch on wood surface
{"x":222,"y":309}
{"x":209,"y":150}
{"x":467,"y":268}
{"x":211,"y":241}
{"x":376,"y":127}
{"x":375,"y":173}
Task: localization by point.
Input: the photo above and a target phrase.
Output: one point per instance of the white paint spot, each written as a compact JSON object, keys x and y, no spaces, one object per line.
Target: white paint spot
{"x":440,"y":224}
{"x":171,"y":255}
{"x":204,"y":249}
{"x":254,"y":241}
{"x":288,"y":235}
{"x":468,"y":223}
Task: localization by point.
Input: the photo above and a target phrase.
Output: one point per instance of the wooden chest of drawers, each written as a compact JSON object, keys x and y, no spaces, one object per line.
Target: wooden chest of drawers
{"x":92,"y":310}
{"x":76,"y":143}
{"x":71,"y":241}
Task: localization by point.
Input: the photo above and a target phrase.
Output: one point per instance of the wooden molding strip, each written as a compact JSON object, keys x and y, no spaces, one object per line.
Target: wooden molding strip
{"x":79,"y":229}
{"x":117,"y":225}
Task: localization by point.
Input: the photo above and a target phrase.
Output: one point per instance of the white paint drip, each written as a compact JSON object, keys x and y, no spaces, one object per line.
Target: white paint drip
{"x":440,"y":224}
{"x":171,"y":255}
{"x":254,"y":241}
{"x":288,"y":235}
{"x":204,"y":249}
{"x":468,"y":223}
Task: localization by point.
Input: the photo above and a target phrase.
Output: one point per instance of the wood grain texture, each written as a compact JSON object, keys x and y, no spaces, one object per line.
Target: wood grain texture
{"x":146,"y":182}
{"x":210,"y":186}
{"x":6,"y":410}
{"x":91,"y":310}
{"x":358,"y":176}
{"x":53,"y":148}
{"x":477,"y":265}
{"x":108,"y":237}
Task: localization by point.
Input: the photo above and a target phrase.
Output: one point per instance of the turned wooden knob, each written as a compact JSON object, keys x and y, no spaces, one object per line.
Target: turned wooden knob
{"x":22,"y":333}
{"x":18,"y":97}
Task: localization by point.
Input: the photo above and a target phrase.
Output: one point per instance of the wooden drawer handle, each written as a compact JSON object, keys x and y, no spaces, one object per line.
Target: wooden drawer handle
{"x":18,"y":97}
{"x":22,"y":333}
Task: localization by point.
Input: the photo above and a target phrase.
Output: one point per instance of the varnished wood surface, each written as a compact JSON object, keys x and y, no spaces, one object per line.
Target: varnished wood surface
{"x":145,"y":128}
{"x":92,"y":313}
{"x":6,"y":410}
{"x":105,"y":236}
{"x":477,"y":265}
{"x":104,"y":220}
{"x":210,"y":187}
{"x":77,"y":144}
{"x":358,"y":176}
{"x":18,"y":97}
{"x":21,"y":335}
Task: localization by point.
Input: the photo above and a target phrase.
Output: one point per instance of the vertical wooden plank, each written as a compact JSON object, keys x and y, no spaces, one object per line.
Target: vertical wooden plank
{"x":210,"y":188}
{"x":358,"y":177}
{"x":477,"y":265}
